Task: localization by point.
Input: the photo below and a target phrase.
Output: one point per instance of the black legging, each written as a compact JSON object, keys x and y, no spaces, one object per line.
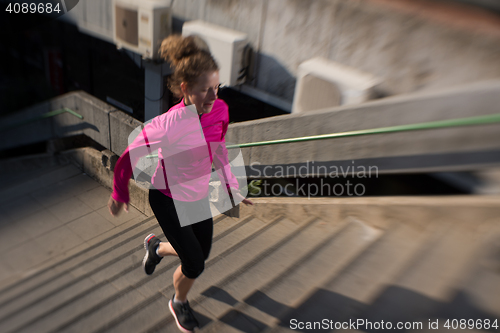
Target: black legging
{"x":192,"y":243}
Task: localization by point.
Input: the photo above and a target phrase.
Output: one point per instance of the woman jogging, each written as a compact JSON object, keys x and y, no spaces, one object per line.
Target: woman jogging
{"x":189,"y":138}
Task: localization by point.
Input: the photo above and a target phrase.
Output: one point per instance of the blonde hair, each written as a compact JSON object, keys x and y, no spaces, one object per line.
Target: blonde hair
{"x":191,"y":58}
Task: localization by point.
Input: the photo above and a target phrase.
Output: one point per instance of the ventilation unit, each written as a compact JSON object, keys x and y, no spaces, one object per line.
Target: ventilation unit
{"x":229,"y":47}
{"x":141,"y":25}
{"x":322,"y":83}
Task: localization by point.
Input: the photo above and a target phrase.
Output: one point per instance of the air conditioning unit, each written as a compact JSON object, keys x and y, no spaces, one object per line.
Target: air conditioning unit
{"x":322,"y":83}
{"x":230,"y":49}
{"x":141,"y":25}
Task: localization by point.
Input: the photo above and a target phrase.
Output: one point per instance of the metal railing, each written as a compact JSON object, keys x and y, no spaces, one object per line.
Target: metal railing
{"x":459,"y":122}
{"x":43,"y":116}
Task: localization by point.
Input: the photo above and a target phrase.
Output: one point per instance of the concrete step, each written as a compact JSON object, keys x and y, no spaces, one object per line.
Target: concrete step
{"x":430,"y":280}
{"x":59,"y":212}
{"x":345,"y":295}
{"x":414,"y":272}
{"x":27,"y":168}
{"x":12,"y":178}
{"x":260,"y":309}
{"x":345,"y":260}
{"x":478,"y":296}
{"x":54,"y":219}
{"x":64,"y":282}
{"x":228,"y":265}
{"x":32,"y":181}
{"x":148,"y":286}
{"x":220,"y":302}
{"x":63,"y":274}
{"x":243,"y":232}
{"x":41,"y":302}
{"x":31,"y":162}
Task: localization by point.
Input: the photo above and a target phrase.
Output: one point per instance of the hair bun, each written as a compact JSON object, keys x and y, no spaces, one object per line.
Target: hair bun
{"x":176,"y":47}
{"x":191,"y":58}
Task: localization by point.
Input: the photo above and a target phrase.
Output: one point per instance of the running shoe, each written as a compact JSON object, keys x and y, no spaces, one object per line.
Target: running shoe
{"x":151,"y":259}
{"x":184,"y":317}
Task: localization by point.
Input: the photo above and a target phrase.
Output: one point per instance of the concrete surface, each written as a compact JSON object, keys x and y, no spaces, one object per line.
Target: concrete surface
{"x":438,"y":150}
{"x":412,"y":46}
{"x":67,"y":266}
{"x":97,"y":116}
{"x":414,"y":151}
{"x":49,"y":211}
{"x":121,"y":125}
{"x":95,"y":122}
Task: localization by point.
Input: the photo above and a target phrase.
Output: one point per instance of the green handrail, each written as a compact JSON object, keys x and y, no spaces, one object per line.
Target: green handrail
{"x":43,"y":116}
{"x":469,"y":121}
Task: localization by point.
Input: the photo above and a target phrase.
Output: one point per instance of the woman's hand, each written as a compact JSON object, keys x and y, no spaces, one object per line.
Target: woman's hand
{"x":243,"y":199}
{"x":115,"y":206}
{"x":247,"y":202}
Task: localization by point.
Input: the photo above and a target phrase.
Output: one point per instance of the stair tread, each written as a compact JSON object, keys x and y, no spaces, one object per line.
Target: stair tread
{"x":54,"y":276}
{"x":50,"y":294}
{"x":235,"y":292}
{"x":52,"y":315}
{"x":279,"y":296}
{"x":430,"y":280}
{"x":222,"y":261}
{"x":350,"y":292}
{"x":83,"y":261}
{"x":29,"y":185}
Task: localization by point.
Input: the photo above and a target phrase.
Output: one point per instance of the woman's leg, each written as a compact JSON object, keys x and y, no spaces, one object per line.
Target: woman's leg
{"x":203,"y":232}
{"x":182,"y":284}
{"x":191,"y":243}
{"x":166,"y":249}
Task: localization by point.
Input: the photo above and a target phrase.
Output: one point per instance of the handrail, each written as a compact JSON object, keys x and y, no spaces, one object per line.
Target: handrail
{"x":43,"y":116}
{"x":469,"y":121}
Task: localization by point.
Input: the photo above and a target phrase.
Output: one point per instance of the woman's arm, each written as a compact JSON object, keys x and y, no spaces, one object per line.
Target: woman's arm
{"x":152,"y":137}
{"x":223,"y":168}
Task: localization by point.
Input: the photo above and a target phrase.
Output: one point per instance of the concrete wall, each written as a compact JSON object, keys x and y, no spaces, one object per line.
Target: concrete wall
{"x":101,"y":122}
{"x":411,"y":45}
{"x":458,"y":148}
{"x":411,"y":48}
{"x":14,"y":135}
{"x":95,"y":123}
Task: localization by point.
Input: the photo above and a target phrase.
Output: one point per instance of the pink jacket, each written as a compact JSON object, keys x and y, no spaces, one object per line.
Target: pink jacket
{"x":187,"y":146}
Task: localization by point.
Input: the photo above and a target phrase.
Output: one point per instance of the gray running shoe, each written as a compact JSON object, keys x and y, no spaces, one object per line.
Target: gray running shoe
{"x":151,"y":259}
{"x":184,"y":317}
